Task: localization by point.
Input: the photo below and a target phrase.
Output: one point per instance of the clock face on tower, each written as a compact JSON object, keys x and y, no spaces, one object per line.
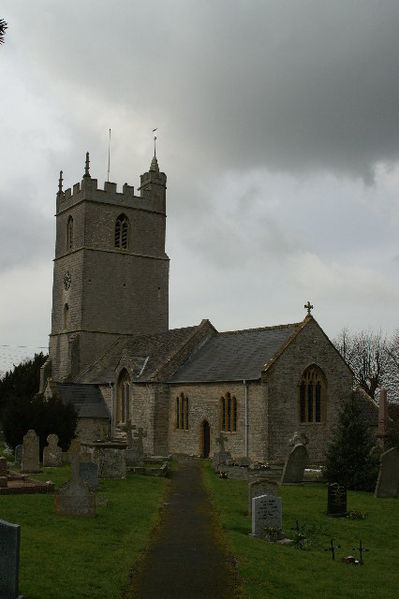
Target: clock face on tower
{"x":67,"y":280}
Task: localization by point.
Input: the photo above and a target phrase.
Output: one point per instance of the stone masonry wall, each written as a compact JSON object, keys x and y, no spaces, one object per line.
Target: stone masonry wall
{"x":204,"y":405}
{"x":310,"y":347}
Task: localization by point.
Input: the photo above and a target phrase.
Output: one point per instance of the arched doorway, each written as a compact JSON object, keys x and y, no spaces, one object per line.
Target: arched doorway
{"x":205,"y":439}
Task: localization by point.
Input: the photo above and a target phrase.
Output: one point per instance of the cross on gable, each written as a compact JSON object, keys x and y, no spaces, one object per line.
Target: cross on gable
{"x":308,"y":307}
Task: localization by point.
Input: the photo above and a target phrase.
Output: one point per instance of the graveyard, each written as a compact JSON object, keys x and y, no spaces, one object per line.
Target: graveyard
{"x":104,"y":550}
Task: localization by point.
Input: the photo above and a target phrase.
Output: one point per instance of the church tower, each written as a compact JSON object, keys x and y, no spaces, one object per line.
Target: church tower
{"x":111,"y":272}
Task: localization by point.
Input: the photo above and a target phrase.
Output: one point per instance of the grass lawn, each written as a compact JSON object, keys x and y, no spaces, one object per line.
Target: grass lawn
{"x":83,"y":558}
{"x":268,"y":570}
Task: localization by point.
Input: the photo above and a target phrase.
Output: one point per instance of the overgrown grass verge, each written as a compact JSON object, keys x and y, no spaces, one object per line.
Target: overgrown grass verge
{"x":269,"y":570}
{"x":83,"y":558}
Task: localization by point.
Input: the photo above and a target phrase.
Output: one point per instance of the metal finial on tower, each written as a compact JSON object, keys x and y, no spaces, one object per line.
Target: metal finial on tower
{"x":155,"y":142}
{"x":60,"y":181}
{"x":87,"y":166}
{"x":308,"y":307}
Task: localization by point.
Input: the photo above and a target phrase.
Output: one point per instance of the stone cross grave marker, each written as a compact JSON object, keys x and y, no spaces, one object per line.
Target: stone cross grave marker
{"x":336,"y":503}
{"x":30,"y":452}
{"x":3,"y":472}
{"x":9,"y":559}
{"x":388,"y":476}
{"x":260,"y":486}
{"x":18,"y":455}
{"x":75,"y":498}
{"x":266,"y":512}
{"x":89,"y":473}
{"x":129,"y":434}
{"x":295,"y":464}
{"x":141,"y":434}
{"x":52,"y":453}
{"x":221,"y":441}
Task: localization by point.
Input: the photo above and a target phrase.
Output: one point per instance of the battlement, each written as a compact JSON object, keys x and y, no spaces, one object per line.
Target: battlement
{"x":89,"y":190}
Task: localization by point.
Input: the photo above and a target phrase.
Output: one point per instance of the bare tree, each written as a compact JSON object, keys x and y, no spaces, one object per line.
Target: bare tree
{"x":369,"y":356}
{"x":3,"y":27}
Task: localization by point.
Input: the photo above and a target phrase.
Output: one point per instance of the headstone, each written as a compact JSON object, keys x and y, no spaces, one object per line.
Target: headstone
{"x":267,"y":513}
{"x":244,"y":462}
{"x":140,"y":435}
{"x":111,"y":462}
{"x":388,"y":476}
{"x":52,"y":453}
{"x":336,"y":503}
{"x":18,"y":455}
{"x":298,"y":439}
{"x":89,"y":473}
{"x":30,"y":453}
{"x":295,"y":464}
{"x":259,"y":487}
{"x":129,"y":435}
{"x":75,"y":498}
{"x":9,"y":559}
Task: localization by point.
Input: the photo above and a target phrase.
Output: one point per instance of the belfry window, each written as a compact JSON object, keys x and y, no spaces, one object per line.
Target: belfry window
{"x":70,"y":233}
{"x":123,"y":412}
{"x":122,"y":232}
{"x":228,"y":413}
{"x":312,"y":396}
{"x":182,"y":412}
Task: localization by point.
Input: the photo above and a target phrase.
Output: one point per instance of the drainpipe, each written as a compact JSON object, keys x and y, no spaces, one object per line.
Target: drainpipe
{"x":246,"y":427}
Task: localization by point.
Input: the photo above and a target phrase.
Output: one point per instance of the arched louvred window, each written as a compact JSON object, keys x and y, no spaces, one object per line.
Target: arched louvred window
{"x":122,"y":232}
{"x":70,"y":233}
{"x":228,"y":413}
{"x":312,"y":395}
{"x":123,"y":407}
{"x":182,"y":412}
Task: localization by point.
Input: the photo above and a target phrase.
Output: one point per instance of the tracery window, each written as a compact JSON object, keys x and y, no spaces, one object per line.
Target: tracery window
{"x":70,"y":233}
{"x":182,"y":412}
{"x":124,"y":398}
{"x":122,"y":232}
{"x":312,"y":395}
{"x":228,"y":413}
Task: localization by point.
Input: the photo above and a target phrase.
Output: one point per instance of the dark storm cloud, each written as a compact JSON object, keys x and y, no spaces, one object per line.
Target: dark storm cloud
{"x":287,"y":85}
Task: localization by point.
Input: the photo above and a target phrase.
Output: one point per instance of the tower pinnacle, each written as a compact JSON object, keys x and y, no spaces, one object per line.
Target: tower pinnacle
{"x":60,"y":181}
{"x":87,"y":167}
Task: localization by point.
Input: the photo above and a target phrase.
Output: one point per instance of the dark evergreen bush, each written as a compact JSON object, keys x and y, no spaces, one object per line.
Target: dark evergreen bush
{"x":350,"y":459}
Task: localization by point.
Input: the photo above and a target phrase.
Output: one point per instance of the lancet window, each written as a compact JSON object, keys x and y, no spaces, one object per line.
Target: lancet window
{"x":124,"y":398}
{"x":182,"y":412}
{"x":122,"y":232}
{"x":70,"y":233}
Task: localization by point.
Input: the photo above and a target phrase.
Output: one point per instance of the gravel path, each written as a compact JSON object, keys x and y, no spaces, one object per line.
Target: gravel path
{"x":186,"y":561}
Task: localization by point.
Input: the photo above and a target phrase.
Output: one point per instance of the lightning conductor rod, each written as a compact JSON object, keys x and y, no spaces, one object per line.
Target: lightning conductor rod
{"x":109,"y":154}
{"x":155,"y":142}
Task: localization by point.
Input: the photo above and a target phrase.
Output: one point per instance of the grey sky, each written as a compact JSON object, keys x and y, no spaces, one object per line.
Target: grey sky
{"x":278,"y":130}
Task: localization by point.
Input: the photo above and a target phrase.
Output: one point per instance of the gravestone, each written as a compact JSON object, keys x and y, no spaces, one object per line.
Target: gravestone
{"x":135,"y":450}
{"x":388,"y":476}
{"x":259,"y":487}
{"x":336,"y":502}
{"x":3,"y":472}
{"x":52,"y":453}
{"x":89,"y":473}
{"x":111,"y":461}
{"x":9,"y":559}
{"x":295,"y":464}
{"x":129,"y":435}
{"x":18,"y":455}
{"x":267,"y":512}
{"x":30,"y":453}
{"x":244,"y":462}
{"x":75,"y":498}
{"x":222,"y":457}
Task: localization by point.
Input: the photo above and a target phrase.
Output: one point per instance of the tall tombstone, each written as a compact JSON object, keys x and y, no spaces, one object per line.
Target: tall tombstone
{"x":388,"y":476}
{"x":259,"y":487}
{"x":89,"y":473}
{"x":30,"y":453}
{"x":9,"y":559}
{"x":336,"y":500}
{"x":295,"y":464}
{"x":267,"y":513}
{"x":3,"y":472}
{"x":18,"y":454}
{"x":52,"y":453}
{"x":75,"y":498}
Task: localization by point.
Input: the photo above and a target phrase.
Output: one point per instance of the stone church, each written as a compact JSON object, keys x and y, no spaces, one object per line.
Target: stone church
{"x":112,"y":354}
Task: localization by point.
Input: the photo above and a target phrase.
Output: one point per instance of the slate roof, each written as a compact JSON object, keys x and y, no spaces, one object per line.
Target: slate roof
{"x":86,"y":399}
{"x":234,"y":355}
{"x":147,"y":353}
